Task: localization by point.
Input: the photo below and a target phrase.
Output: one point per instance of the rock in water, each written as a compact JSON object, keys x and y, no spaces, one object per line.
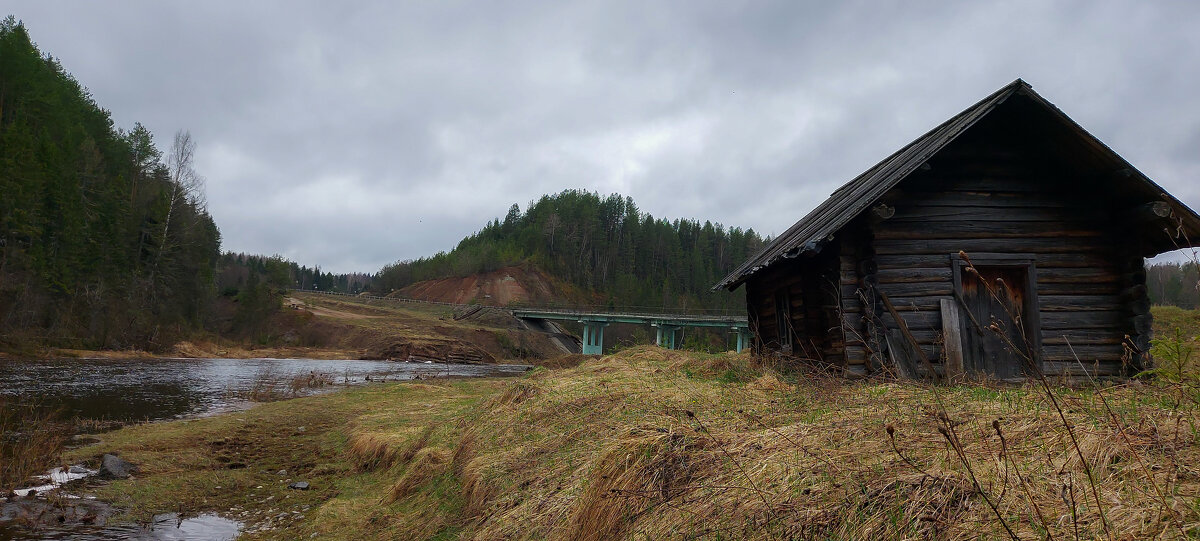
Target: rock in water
{"x":301,"y":485}
{"x":113,"y":467}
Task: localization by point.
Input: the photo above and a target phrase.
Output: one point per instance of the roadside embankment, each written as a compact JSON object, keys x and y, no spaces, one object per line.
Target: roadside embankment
{"x":657,"y":444}
{"x":313,"y":326}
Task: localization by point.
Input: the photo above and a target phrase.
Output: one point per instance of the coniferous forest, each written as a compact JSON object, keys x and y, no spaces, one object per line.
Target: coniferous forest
{"x":600,"y":244}
{"x":105,"y":240}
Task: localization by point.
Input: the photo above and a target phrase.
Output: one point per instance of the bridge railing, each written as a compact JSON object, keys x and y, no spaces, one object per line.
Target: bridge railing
{"x":586,"y":314}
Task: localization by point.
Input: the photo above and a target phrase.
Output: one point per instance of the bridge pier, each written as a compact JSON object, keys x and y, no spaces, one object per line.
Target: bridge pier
{"x":666,"y":335}
{"x":743,"y":337}
{"x":593,"y":337}
{"x":668,"y":326}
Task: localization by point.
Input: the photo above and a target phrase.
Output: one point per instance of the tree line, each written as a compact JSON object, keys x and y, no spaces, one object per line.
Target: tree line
{"x":600,"y":244}
{"x":105,"y":240}
{"x":1176,"y":284}
{"x":235,"y":270}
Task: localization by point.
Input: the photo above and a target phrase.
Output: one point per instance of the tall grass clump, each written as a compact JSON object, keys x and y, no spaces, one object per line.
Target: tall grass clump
{"x":31,"y":440}
{"x":269,"y":385}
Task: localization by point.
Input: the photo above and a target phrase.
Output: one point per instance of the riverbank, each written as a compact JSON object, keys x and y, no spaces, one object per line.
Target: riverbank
{"x":313,"y":326}
{"x":660,"y":444}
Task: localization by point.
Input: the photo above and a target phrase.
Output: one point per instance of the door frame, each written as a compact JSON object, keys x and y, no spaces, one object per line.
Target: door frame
{"x":783,"y":319}
{"x":1031,"y":307}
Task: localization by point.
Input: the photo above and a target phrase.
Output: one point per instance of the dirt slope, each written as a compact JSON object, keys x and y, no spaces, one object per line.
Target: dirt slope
{"x":510,"y":285}
{"x":332,"y":327}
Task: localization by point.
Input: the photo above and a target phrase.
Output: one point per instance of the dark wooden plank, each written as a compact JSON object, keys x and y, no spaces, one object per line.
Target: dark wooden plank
{"x":1068,"y":288}
{"x":915,"y":274}
{"x":919,"y":212}
{"x":922,"y":289}
{"x":1049,"y":260}
{"x":930,"y":303}
{"x":952,"y":326}
{"x":907,"y":261}
{"x":848,"y":291}
{"x":1083,"y":320}
{"x":1074,"y":303}
{"x":976,"y":229}
{"x":1081,"y":338}
{"x":983,"y":178}
{"x":936,"y":198}
{"x":1086,"y":353}
{"x":903,"y":355}
{"x":910,"y":340}
{"x":1101,"y":369}
{"x":1013,"y":246}
{"x":1078,"y":275}
{"x":925,"y":320}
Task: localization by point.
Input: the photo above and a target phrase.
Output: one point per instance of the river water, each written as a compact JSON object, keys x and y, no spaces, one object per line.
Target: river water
{"x":133,"y":390}
{"x":154,"y":389}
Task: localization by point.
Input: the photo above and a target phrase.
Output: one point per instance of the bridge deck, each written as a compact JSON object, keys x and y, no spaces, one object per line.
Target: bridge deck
{"x":679,"y":320}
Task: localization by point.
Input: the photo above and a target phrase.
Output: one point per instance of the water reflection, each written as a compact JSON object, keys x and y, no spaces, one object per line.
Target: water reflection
{"x":152,"y":389}
{"x":167,"y":526}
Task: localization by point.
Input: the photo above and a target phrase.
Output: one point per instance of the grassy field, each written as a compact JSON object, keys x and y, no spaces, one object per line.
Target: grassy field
{"x":655,"y":444}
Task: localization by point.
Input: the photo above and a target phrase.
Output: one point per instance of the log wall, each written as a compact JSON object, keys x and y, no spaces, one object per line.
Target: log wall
{"x":979,"y":199}
{"x":811,"y":285}
{"x":1012,"y":187}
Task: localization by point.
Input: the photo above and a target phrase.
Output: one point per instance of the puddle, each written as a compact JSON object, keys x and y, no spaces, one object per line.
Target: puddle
{"x":170,"y":526}
{"x":42,"y":512}
{"x":167,"y":526}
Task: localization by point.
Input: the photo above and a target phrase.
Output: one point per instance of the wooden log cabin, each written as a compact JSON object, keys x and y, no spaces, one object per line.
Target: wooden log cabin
{"x":1004,"y":241}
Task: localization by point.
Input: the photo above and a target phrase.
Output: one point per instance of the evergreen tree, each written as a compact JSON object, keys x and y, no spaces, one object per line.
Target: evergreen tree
{"x":85,"y":256}
{"x":604,"y":245}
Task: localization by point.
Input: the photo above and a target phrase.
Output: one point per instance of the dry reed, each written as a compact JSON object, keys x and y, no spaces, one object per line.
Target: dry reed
{"x":665,"y":445}
{"x":31,"y":440}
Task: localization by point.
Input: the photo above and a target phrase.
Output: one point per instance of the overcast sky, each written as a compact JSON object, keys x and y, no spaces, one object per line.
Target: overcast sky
{"x":352,"y":136}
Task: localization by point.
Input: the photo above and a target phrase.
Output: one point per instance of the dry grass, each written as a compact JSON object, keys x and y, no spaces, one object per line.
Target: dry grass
{"x":370,"y":451}
{"x":31,"y":440}
{"x":651,"y":444}
{"x":516,"y":393}
{"x":312,"y":380}
{"x":630,"y":477}
{"x":655,"y":444}
{"x":270,"y":385}
{"x":429,"y":463}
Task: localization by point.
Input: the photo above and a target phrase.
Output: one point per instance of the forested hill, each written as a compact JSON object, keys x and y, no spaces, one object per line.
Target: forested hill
{"x":603,"y":245}
{"x":104,"y":240}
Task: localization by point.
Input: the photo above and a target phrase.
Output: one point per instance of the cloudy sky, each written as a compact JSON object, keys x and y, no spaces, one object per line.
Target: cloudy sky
{"x":352,"y":136}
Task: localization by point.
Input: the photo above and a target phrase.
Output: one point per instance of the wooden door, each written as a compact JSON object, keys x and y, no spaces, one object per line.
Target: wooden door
{"x":998,"y":299}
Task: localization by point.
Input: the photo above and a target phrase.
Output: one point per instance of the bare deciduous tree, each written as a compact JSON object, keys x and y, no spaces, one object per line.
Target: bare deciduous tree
{"x":186,"y":185}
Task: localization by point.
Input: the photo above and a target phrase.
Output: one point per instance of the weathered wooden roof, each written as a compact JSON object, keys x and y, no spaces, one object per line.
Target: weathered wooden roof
{"x":819,"y":225}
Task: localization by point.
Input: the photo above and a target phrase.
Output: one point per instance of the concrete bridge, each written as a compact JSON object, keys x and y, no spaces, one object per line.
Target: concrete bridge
{"x":595,"y":320}
{"x":667,"y":325}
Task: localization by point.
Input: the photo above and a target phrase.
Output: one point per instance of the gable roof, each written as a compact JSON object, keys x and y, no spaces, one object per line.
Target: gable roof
{"x":818,"y":226}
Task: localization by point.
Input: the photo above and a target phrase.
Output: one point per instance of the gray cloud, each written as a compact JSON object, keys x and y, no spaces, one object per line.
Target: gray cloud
{"x":349,"y":137}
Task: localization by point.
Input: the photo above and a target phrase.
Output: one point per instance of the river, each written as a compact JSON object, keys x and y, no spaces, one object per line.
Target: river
{"x":135,"y":390}
{"x":130,"y":390}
